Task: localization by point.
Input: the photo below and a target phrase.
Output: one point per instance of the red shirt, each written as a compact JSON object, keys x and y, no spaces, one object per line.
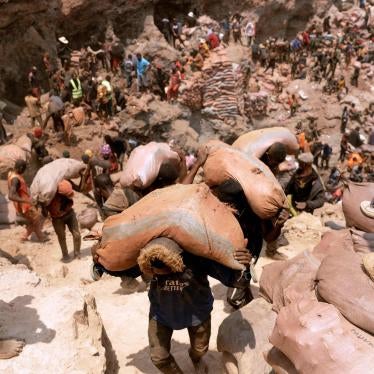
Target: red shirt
{"x":213,"y":40}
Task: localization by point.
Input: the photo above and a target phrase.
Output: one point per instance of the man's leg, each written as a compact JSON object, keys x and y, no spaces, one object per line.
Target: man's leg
{"x":159,"y":344}
{"x":199,"y":338}
{"x":59,"y":226}
{"x":73,"y":226}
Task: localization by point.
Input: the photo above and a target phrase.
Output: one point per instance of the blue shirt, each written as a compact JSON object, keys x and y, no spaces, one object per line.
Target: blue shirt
{"x":180,"y":300}
{"x":141,"y":66}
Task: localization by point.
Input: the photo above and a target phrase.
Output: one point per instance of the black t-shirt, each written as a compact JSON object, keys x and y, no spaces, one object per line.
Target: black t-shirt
{"x":250,"y":223}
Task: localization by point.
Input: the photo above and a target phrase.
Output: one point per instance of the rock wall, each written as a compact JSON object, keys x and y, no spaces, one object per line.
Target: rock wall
{"x":30,"y":28}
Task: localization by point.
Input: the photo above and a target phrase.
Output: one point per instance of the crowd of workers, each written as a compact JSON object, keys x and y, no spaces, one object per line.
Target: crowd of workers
{"x":79,"y":90}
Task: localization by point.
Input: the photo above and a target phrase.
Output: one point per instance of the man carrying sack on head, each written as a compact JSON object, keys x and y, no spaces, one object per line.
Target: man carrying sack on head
{"x":181,"y":297}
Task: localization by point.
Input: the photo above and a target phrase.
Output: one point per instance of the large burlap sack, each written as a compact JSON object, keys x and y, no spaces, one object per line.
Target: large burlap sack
{"x":149,"y":161}
{"x":7,"y":211}
{"x":333,"y":243}
{"x":317,"y":339}
{"x":257,"y":142}
{"x":226,"y":164}
{"x":24,"y":142}
{"x":87,"y":218}
{"x":188,"y":214}
{"x":279,"y":362}
{"x":285,"y":282}
{"x":9,"y":154}
{"x":353,"y":195}
{"x":44,"y":185}
{"x":343,"y":282}
{"x":245,"y":335}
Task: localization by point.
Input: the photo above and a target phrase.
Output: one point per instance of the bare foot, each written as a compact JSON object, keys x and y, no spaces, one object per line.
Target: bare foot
{"x":10,"y":348}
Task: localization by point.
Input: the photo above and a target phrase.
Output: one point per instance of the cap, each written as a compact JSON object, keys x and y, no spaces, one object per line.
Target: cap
{"x":306,"y":158}
{"x":190,"y":14}
{"x":88,"y":153}
{"x":38,"y":132}
{"x":63,"y":40}
{"x":65,"y":188}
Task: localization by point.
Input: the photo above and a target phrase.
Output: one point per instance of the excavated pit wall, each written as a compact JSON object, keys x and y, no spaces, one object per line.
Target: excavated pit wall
{"x":30,"y":28}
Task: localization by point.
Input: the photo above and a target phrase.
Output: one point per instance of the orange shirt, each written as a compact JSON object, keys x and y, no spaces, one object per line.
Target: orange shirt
{"x":354,"y":159}
{"x":23,"y":192}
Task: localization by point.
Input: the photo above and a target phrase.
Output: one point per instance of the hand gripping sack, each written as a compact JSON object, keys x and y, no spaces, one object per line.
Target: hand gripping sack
{"x":317,"y":339}
{"x":257,"y":142}
{"x":353,"y":195}
{"x":343,"y":282}
{"x":149,"y":161}
{"x":44,"y":185}
{"x":190,"y":215}
{"x":226,"y":164}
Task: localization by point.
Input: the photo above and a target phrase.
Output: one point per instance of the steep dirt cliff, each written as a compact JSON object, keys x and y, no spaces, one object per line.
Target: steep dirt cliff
{"x":30,"y":28}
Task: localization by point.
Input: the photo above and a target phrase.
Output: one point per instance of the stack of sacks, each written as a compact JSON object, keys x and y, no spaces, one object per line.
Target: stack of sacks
{"x":222,"y":86}
{"x":256,"y":103}
{"x":316,"y":338}
{"x":44,"y":186}
{"x":190,"y":215}
{"x":148,"y":162}
{"x":10,"y":153}
{"x":191,"y":92}
{"x":227,"y":167}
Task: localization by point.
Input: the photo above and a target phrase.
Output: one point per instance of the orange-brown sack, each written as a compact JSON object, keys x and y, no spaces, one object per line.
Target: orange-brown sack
{"x":343,"y":282}
{"x":353,"y":196}
{"x":227,"y":164}
{"x":285,"y":282}
{"x":317,"y":339}
{"x":188,"y":214}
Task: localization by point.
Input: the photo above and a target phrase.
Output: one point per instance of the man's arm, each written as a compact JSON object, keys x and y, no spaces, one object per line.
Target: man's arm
{"x":13,"y":191}
{"x":227,"y":276}
{"x":318,"y":200}
{"x":201,"y":158}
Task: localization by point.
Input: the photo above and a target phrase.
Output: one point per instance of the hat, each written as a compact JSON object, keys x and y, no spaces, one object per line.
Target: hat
{"x":190,"y":14}
{"x":306,"y":158}
{"x":367,"y":209}
{"x":63,"y":40}
{"x":65,"y":188}
{"x":88,"y":153}
{"x":105,"y":150}
{"x":38,"y":132}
